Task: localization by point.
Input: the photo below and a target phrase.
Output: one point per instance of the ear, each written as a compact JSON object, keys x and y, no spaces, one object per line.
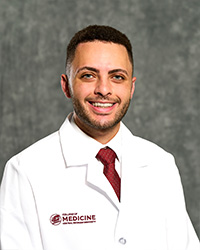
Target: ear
{"x":65,"y":85}
{"x":133,"y":86}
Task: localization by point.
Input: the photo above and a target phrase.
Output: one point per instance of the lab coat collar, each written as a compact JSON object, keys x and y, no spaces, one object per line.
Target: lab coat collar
{"x":73,"y":143}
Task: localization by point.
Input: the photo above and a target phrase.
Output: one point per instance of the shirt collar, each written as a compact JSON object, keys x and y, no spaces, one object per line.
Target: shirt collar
{"x":79,"y":148}
{"x":116,"y":144}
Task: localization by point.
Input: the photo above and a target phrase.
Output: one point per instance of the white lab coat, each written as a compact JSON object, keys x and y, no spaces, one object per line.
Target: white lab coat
{"x":48,"y":205}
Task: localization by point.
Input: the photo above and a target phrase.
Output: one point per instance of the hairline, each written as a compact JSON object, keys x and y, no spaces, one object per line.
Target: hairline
{"x":70,"y":60}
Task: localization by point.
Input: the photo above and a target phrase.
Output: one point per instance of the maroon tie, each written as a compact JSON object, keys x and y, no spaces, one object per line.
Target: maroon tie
{"x":107,"y":157}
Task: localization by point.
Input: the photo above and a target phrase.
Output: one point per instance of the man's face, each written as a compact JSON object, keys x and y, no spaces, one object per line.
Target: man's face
{"x":100,"y":85}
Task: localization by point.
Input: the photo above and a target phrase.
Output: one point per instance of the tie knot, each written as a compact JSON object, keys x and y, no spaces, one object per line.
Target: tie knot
{"x":106,"y":156}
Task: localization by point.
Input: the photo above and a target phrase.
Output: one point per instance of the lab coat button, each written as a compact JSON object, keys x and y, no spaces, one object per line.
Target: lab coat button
{"x":122,"y":241}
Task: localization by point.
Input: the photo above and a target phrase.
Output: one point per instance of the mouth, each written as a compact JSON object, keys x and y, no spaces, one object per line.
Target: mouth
{"x":102,"y":105}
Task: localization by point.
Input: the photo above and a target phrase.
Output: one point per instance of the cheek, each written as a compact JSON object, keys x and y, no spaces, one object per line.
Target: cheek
{"x":81,"y":91}
{"x":124,"y":93}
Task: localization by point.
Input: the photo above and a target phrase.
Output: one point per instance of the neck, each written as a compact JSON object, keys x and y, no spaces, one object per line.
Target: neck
{"x":103,"y":136}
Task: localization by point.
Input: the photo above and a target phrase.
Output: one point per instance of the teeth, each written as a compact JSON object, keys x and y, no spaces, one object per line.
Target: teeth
{"x":102,"y":105}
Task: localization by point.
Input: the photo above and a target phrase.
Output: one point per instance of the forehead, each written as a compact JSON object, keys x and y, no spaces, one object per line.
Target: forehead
{"x":100,"y":54}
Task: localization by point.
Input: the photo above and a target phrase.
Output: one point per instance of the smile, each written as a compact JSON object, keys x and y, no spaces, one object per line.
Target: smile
{"x":102,"y":105}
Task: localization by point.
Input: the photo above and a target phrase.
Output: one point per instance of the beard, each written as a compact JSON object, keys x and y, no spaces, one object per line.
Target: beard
{"x":85,"y":117}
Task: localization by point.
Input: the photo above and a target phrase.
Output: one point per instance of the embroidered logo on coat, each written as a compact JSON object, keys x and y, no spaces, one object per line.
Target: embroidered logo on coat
{"x":55,"y":219}
{"x":72,"y":218}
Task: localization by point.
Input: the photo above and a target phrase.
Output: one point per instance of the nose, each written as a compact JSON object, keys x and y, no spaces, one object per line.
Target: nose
{"x":103,"y":88}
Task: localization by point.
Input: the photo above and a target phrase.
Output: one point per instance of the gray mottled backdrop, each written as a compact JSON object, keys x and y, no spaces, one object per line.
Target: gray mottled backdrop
{"x":166,"y":42}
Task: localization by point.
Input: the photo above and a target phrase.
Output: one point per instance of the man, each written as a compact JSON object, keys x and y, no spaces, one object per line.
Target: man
{"x":93,"y":185}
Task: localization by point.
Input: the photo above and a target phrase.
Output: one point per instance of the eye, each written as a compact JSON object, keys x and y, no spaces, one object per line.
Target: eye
{"x":118,"y":77}
{"x":87,"y":76}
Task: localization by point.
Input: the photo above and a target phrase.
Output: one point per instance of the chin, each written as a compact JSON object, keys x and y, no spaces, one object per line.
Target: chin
{"x":102,"y":125}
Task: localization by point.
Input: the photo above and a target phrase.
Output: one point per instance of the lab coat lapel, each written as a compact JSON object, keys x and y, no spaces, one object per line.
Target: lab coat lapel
{"x":94,"y":175}
{"x":96,"y":180}
{"x":132,"y":165}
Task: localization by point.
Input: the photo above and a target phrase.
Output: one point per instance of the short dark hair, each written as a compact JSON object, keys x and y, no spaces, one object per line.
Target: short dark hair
{"x":98,"y":33}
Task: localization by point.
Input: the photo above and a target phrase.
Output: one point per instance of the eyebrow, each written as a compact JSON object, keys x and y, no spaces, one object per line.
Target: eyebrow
{"x":87,"y":68}
{"x":97,"y":71}
{"x":118,"y":70}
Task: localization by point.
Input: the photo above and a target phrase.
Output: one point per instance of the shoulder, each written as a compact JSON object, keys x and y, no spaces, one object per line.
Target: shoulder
{"x":41,"y":153}
{"x":153,"y":159}
{"x":44,"y":146}
{"x":144,"y":148}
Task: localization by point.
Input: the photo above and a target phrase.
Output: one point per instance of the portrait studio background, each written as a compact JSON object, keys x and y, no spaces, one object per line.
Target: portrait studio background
{"x":165,"y":109}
